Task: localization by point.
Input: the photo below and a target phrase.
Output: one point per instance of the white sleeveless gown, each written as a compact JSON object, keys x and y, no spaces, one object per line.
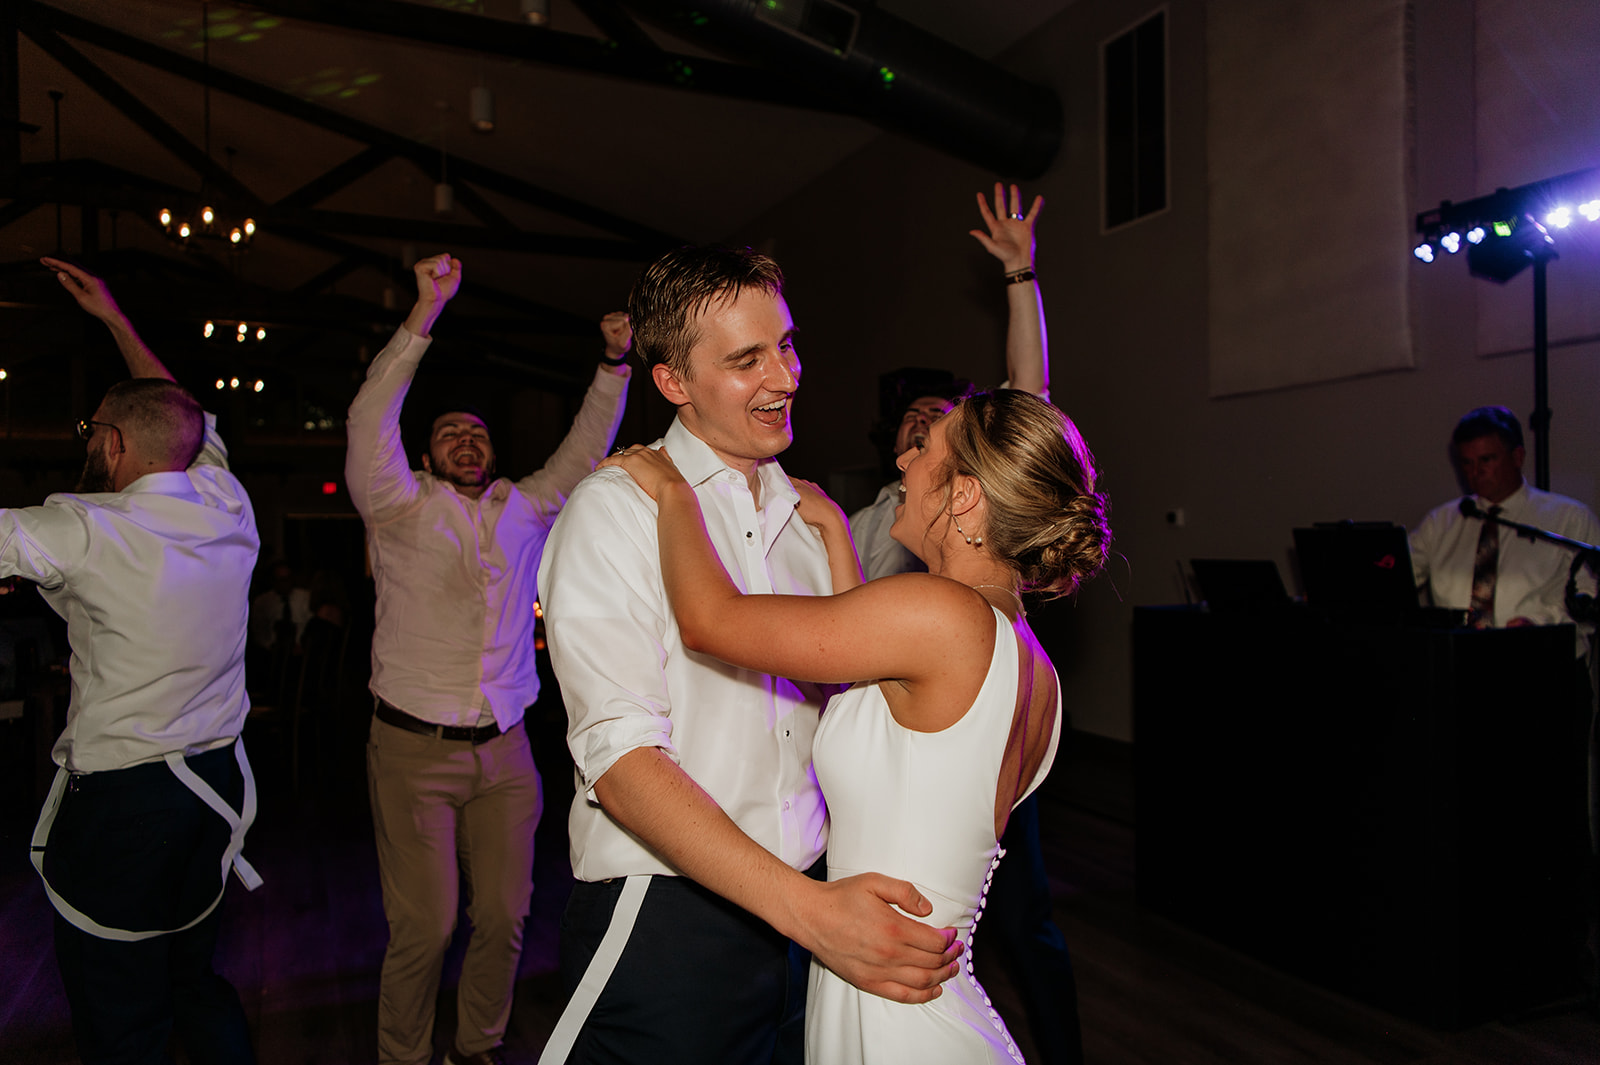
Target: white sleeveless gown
{"x":917,"y":806}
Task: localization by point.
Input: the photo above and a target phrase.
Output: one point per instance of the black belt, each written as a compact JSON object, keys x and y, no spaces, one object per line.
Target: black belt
{"x":393,"y":715}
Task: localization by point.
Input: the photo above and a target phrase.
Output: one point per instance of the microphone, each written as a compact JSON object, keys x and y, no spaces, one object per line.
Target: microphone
{"x":1469,"y":508}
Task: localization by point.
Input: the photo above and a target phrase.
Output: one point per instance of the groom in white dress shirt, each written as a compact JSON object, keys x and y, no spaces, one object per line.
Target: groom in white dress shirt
{"x":697,"y":812}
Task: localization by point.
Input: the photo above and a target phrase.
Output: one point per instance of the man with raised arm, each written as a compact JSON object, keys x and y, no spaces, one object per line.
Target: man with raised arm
{"x":454,"y":790}
{"x":149,"y":562}
{"x":697,"y":812}
{"x":1009,"y":238}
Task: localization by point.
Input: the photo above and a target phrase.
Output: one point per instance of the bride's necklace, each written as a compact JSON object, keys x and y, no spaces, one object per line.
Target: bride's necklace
{"x":1020,"y":608}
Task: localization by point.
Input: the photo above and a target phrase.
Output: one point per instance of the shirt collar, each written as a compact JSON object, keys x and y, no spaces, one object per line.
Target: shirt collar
{"x":1510,"y":502}
{"x":164,"y":482}
{"x":698,"y":464}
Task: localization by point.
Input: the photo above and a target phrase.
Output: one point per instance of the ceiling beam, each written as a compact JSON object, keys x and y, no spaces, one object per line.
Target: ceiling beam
{"x":137,"y":112}
{"x":332,"y":275}
{"x":617,"y":24}
{"x":516,"y":40}
{"x":551,"y":319}
{"x":85,"y":182}
{"x":32,"y":13}
{"x":340,"y":177}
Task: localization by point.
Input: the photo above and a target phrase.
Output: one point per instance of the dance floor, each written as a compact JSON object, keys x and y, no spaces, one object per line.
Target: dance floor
{"x":304,"y":951}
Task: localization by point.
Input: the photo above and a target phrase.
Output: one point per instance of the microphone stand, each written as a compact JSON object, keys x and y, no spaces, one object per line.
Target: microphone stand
{"x":1581,"y":607}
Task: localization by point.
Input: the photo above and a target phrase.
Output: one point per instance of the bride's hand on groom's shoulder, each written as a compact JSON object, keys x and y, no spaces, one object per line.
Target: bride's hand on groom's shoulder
{"x":652,"y":468}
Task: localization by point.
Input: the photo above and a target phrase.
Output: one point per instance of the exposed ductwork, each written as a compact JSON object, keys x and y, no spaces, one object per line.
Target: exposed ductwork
{"x":867,"y":62}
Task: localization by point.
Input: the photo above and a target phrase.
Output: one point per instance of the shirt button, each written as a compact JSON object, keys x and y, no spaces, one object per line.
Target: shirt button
{"x":786,"y":804}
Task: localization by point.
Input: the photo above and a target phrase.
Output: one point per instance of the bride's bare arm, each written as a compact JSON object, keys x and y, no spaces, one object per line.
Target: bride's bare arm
{"x":911,"y":627}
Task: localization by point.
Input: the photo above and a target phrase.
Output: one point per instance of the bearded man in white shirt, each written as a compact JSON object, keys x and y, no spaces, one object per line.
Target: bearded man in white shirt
{"x":697,"y":812}
{"x":454,"y":554}
{"x":149,"y":562}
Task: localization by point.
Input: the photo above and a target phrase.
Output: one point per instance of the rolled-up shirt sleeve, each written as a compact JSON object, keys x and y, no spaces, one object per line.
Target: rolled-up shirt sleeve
{"x":213,"y":452}
{"x":608,"y":624}
{"x":585,"y":444}
{"x":44,"y":544}
{"x":380,"y":479}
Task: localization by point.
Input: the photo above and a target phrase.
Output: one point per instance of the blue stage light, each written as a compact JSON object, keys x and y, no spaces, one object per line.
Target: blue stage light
{"x":1423,"y":251}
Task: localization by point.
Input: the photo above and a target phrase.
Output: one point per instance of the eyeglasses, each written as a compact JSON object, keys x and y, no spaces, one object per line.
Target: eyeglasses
{"x":86,"y":430}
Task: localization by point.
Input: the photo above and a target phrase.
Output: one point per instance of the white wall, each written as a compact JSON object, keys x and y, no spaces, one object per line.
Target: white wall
{"x":883,"y":274}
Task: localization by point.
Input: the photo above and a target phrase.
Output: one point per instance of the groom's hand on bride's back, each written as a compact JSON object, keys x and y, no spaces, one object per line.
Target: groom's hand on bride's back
{"x":852,"y":927}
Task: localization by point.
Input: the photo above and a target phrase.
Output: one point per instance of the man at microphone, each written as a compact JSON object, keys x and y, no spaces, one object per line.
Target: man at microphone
{"x":1501,"y":579}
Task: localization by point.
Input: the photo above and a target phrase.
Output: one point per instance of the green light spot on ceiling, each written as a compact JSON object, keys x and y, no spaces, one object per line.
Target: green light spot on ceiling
{"x":187,"y":22}
{"x":227,"y":29}
{"x":168,"y":35}
{"x":248,"y":37}
{"x":367,"y":79}
{"x":886,"y":74}
{"x":329,"y":72}
{"x":347,"y":93}
{"x":323,"y":88}
{"x":266,"y":23}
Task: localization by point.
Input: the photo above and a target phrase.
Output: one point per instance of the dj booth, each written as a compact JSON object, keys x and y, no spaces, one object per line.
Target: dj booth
{"x":1393,"y":813}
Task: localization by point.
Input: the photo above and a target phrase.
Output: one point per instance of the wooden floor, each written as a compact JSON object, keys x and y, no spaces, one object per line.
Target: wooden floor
{"x":304,"y":951}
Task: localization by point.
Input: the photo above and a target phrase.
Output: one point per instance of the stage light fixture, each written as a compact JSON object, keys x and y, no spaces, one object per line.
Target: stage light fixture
{"x":1450,"y":242}
{"x":210,"y":328}
{"x":235,"y":235}
{"x":1504,"y":238}
{"x":183,"y":231}
{"x":1522,"y":242}
{"x":233,"y":382}
{"x":221,"y":384}
{"x":260,"y":385}
{"x":166,"y":218}
{"x":207,"y":216}
{"x":261,"y":334}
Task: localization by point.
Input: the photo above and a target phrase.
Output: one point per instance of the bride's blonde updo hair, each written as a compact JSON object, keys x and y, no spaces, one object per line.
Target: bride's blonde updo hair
{"x":1045,"y":517}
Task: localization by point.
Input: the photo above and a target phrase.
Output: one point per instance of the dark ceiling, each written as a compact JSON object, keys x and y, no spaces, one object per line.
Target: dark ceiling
{"x":621,"y":128}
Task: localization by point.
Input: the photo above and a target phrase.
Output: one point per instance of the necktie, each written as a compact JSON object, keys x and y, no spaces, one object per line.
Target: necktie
{"x":1485,"y":565}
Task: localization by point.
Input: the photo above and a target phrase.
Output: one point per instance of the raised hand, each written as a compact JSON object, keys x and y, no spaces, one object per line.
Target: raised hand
{"x":438,"y":280}
{"x":1010,"y":232}
{"x":618,"y":332}
{"x":652,"y":468}
{"x":90,"y":292}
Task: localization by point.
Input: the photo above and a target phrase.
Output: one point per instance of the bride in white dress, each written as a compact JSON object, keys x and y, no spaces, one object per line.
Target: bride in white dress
{"x":954,"y":711}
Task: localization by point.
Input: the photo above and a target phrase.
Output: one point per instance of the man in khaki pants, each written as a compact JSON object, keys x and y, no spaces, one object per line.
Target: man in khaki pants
{"x":455,"y":551}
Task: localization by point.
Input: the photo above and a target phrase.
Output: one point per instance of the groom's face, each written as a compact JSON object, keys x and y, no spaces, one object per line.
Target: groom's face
{"x":743,"y":373}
